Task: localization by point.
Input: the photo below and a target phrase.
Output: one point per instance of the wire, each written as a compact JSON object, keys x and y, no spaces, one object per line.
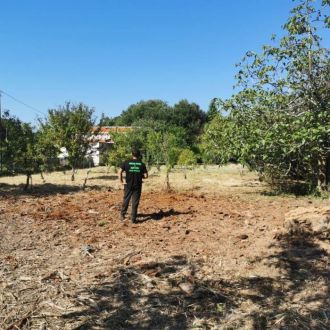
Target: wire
{"x":21,"y":102}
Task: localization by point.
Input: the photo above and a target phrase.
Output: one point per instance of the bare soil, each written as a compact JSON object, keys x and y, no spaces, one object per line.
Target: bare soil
{"x":211,"y":255}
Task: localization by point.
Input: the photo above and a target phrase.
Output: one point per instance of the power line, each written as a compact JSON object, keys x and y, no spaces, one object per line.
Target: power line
{"x":21,"y":102}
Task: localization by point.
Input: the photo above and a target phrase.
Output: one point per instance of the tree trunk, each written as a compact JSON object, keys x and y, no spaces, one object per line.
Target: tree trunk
{"x":42,"y":177}
{"x":72,"y":174}
{"x":327,"y":170}
{"x":27,"y":184}
{"x":241,"y":170}
{"x":322,"y":175}
{"x":167,"y":186}
{"x":85,"y":180}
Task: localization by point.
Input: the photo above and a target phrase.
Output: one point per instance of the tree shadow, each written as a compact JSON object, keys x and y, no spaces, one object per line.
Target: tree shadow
{"x":39,"y":190}
{"x":299,"y":299}
{"x":160,"y":215}
{"x":295,"y":188}
{"x":104,"y":177}
{"x":176,"y":294}
{"x":147,"y":297}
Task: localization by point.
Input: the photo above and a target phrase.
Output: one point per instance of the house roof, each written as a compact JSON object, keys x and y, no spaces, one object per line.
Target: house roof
{"x":103,"y":134}
{"x":113,"y":129}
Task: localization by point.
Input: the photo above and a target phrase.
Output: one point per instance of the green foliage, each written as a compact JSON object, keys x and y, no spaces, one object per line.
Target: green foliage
{"x":108,"y":121}
{"x":122,"y":149}
{"x":18,"y":146}
{"x":155,"y":114}
{"x":163,"y":147}
{"x":154,"y":152}
{"x":159,"y":144}
{"x":217,"y":145}
{"x":187,"y":158}
{"x":25,"y":158}
{"x":155,"y":110}
{"x":170,"y":147}
{"x":213,"y":109}
{"x":45,"y":149}
{"x":118,"y":155}
{"x":70,"y":127}
{"x":190,"y":117}
{"x":279,"y":121}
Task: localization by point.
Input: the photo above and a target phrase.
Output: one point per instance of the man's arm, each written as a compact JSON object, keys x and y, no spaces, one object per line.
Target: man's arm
{"x":145,"y":172}
{"x":120,"y":176}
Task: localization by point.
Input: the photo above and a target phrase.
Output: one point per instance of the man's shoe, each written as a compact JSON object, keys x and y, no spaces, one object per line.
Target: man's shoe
{"x":121,"y":217}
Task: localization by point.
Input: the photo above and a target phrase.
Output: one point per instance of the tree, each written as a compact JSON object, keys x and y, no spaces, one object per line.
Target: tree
{"x":155,"y":114}
{"x":217,"y":144}
{"x":155,"y":110}
{"x":124,"y":143}
{"x":45,"y":149}
{"x":190,"y":117}
{"x":280,"y":117}
{"x":19,"y":143}
{"x":213,"y":109}
{"x":164,"y":146}
{"x":70,"y":127}
{"x":154,"y":152}
{"x":187,"y":159}
{"x":118,"y":154}
{"x":108,"y":121}
{"x":10,"y":141}
{"x":170,"y":146}
{"x":25,"y":159}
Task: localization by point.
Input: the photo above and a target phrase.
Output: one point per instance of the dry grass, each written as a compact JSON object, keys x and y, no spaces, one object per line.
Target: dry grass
{"x":207,"y":179}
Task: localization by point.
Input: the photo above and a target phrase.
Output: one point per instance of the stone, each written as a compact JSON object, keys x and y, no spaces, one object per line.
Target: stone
{"x":244,"y":236}
{"x":186,"y":287}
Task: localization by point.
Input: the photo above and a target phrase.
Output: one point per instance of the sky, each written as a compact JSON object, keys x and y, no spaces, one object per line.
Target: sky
{"x":110,"y":54}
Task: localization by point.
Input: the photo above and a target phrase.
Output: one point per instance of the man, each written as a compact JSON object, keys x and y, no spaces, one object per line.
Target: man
{"x":135,"y":171}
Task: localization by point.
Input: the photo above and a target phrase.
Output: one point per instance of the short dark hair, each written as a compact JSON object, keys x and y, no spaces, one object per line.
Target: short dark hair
{"x":136,"y":153}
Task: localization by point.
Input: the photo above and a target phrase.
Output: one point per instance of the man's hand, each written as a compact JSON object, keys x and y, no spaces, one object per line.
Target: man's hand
{"x":120,"y":176}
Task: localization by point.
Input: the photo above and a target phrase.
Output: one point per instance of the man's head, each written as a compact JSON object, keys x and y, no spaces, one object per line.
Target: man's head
{"x":136,"y":153}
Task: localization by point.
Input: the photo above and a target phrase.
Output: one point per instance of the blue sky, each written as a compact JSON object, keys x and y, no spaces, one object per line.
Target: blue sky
{"x":112,"y":53}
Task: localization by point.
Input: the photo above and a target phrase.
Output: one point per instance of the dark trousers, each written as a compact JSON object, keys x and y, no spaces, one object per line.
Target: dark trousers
{"x":135,"y":194}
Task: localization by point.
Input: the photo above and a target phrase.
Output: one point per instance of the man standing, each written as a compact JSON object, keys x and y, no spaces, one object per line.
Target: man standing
{"x":135,"y":171}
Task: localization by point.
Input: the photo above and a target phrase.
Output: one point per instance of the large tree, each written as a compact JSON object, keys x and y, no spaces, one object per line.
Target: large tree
{"x":155,"y":114}
{"x":70,"y":126}
{"x":281,"y":114}
{"x":145,"y":110}
{"x":190,"y":117}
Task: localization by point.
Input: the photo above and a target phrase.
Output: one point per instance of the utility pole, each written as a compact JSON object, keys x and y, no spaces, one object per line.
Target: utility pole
{"x":1,"y":133}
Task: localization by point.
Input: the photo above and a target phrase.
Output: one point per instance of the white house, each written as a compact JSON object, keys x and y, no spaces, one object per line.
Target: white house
{"x":100,"y":142}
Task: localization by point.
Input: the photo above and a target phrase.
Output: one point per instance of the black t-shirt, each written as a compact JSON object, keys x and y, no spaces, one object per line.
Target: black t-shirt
{"x":134,"y":170}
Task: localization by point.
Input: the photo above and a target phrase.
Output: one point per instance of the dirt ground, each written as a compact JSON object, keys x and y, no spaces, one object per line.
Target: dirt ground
{"x":211,"y":254}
